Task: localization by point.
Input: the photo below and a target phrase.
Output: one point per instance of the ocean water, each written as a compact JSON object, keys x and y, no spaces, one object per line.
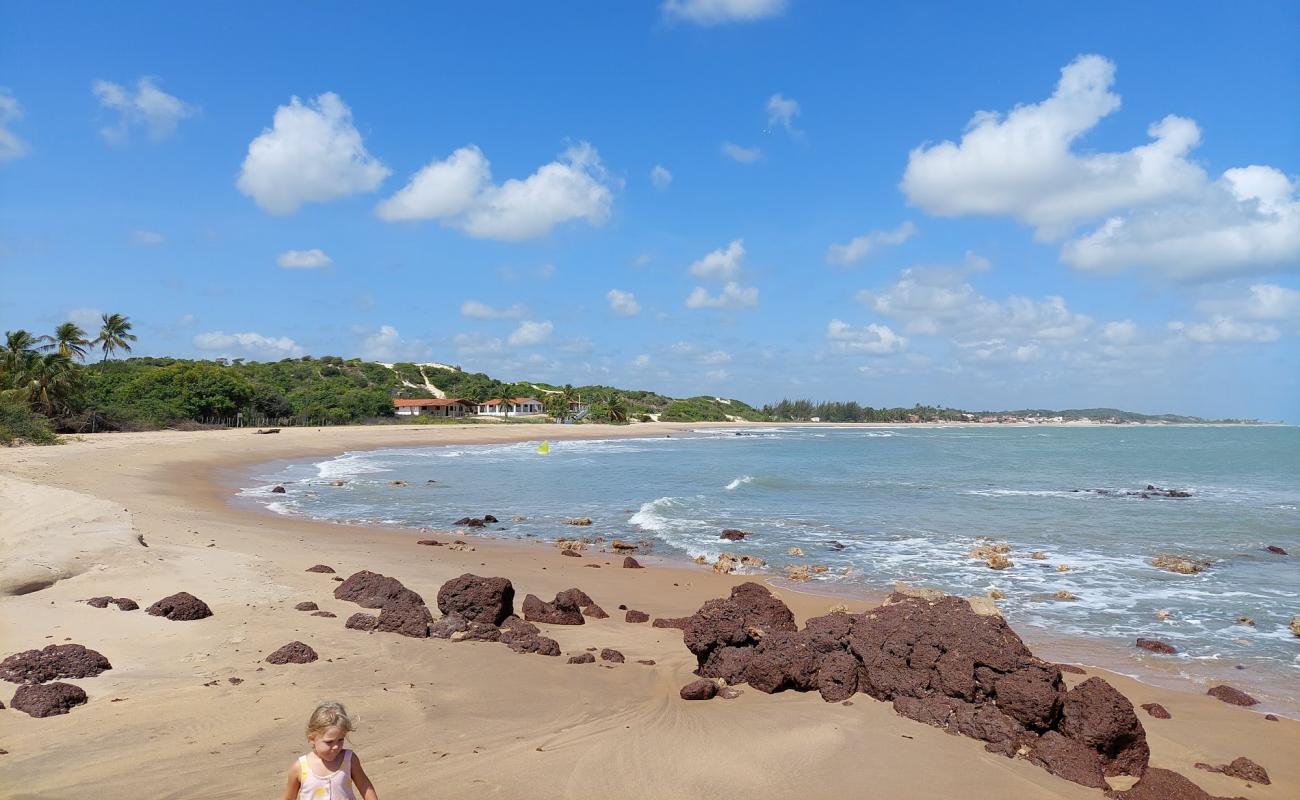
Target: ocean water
{"x":909,"y":504}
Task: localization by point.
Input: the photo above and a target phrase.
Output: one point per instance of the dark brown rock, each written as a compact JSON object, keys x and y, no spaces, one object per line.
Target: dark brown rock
{"x":561,"y":612}
{"x":320,"y":568}
{"x":125,"y":604}
{"x":631,"y":563}
{"x":55,"y":661}
{"x":478,"y":599}
{"x":1242,"y":768}
{"x":478,"y":632}
{"x":445,"y":627}
{"x":1271,"y":717}
{"x":594,"y":611}
{"x":699,"y":690}
{"x":1068,"y":759}
{"x":649,"y":662}
{"x":429,"y":542}
{"x":733,"y":535}
{"x":728,"y":663}
{"x":1156,"y":646}
{"x":679,"y":623}
{"x":1232,"y":696}
{"x":180,"y":607}
{"x":571,"y":553}
{"x":782,"y":660}
{"x":1097,"y":715}
{"x":372,"y":590}
{"x":636,"y":616}
{"x":48,"y":699}
{"x":1032,"y":696}
{"x":488,"y":518}
{"x":1162,"y":784}
{"x":837,"y":676}
{"x":406,"y":618}
{"x":611,"y":655}
{"x":574,"y":597}
{"x":278,"y":490}
{"x":326,"y":614}
{"x":306,"y":605}
{"x":99,"y":602}
{"x":292,"y":653}
{"x":582,"y":658}
{"x":1156,"y":710}
{"x":362,"y":622}
{"x":1072,"y":669}
{"x":1275,"y":550}
{"x":762,"y":609}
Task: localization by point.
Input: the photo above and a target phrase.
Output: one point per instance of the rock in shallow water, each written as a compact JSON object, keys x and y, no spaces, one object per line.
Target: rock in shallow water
{"x":1156,"y":646}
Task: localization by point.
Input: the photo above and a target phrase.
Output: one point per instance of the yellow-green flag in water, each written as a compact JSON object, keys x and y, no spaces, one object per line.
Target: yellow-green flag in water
{"x":544,"y":448}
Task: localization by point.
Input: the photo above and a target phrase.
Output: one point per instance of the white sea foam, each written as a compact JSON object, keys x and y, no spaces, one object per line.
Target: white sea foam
{"x":650,"y":517}
{"x":348,"y":465}
{"x":741,"y":481}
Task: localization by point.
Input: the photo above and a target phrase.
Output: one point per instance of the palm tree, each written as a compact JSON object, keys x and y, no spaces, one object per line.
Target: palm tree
{"x":115,"y":334}
{"x":570,"y":396}
{"x":18,"y":344}
{"x":614,"y":406}
{"x":70,"y":340}
{"x":49,"y":381}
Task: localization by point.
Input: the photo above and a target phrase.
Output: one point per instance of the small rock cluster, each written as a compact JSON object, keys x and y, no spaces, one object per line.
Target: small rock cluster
{"x":41,"y":693}
{"x":180,"y":607}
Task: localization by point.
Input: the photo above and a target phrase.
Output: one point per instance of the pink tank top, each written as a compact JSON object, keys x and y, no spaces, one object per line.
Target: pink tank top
{"x":336,"y":786}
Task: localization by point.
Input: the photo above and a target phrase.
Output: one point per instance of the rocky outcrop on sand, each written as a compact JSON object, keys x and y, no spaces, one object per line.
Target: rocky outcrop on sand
{"x":53,"y":662}
{"x":1163,"y":784}
{"x":1242,"y":768}
{"x":180,"y":607}
{"x":524,"y":637}
{"x":636,"y":616}
{"x":48,"y":699}
{"x":372,"y":590}
{"x":321,"y":568}
{"x":306,"y":605}
{"x":1157,"y":711}
{"x":477,"y":599}
{"x":292,"y":653}
{"x":122,"y":603}
{"x":564,"y":610}
{"x":699,"y":690}
{"x":938,"y":662}
{"x":1231,"y":695}
{"x":612,"y":655}
{"x":631,"y":563}
{"x":405,"y":617}
{"x":362,"y":622}
{"x":582,"y":658}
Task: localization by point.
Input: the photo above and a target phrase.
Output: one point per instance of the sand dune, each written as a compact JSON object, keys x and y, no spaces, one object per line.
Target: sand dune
{"x":437,"y":718}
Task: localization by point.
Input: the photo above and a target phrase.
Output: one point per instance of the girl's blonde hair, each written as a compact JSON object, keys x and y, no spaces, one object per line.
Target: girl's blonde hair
{"x":328,"y":715}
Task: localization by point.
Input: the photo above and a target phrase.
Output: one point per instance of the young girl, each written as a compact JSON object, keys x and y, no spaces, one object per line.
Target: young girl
{"x":329,"y":771}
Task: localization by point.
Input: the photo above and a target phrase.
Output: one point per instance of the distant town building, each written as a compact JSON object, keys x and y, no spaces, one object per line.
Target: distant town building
{"x":433,"y":407}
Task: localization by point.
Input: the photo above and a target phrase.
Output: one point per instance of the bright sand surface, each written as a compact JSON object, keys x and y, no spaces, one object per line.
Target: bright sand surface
{"x":436,"y":718}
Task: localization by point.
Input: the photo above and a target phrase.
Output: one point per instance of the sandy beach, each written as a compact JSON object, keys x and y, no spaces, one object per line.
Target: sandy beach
{"x":147,"y":515}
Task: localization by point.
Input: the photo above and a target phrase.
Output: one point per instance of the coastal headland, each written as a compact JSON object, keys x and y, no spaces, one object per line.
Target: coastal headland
{"x":193,"y":709}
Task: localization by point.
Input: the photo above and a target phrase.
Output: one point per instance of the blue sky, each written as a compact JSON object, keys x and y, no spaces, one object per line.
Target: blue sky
{"x":977,"y":205}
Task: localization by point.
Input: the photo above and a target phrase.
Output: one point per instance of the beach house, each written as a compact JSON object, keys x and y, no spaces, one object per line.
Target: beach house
{"x":521,"y":406}
{"x":433,"y":407}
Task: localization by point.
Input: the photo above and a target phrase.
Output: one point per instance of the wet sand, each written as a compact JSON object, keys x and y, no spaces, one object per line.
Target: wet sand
{"x":438,"y":718}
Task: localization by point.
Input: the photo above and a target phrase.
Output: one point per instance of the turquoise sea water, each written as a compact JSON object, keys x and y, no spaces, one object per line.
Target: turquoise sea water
{"x":908,"y":504}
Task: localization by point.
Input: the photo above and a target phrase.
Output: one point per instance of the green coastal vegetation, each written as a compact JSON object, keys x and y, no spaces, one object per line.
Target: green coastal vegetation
{"x":69,"y":382}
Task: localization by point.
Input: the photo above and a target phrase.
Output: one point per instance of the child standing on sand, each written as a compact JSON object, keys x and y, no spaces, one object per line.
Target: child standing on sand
{"x":329,"y":771}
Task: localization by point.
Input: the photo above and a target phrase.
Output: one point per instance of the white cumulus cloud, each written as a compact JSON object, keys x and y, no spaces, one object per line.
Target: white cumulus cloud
{"x":872,"y":339}
{"x":459,"y":192}
{"x":250,"y":342}
{"x":860,"y":247}
{"x":311,"y":154}
{"x":1262,"y":301}
{"x":11,"y":111}
{"x":733,"y":295}
{"x":781,"y":111}
{"x":721,"y":264}
{"x":741,"y":155}
{"x":623,"y":303}
{"x":717,"y":12}
{"x":476,"y":310}
{"x":1151,"y":205}
{"x":147,"y":107}
{"x":304,"y":259}
{"x":660,"y":176}
{"x":146,"y":238}
{"x":1225,"y":329}
{"x":530,"y":333}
